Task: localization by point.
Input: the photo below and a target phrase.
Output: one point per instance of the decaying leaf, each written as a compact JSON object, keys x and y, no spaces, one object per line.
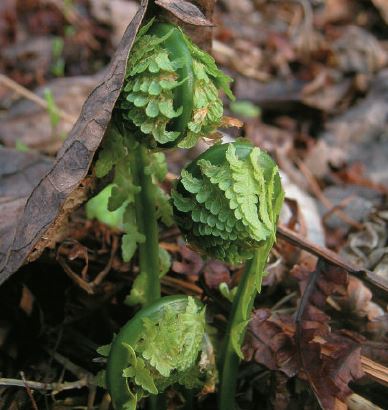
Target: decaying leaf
{"x":19,"y":173}
{"x":328,"y":359}
{"x":270,"y":341}
{"x":185,"y":11}
{"x":67,"y":183}
{"x":215,"y":273}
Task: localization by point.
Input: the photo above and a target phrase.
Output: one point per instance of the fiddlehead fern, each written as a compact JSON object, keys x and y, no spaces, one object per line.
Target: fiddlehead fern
{"x":227,"y":203}
{"x":162,"y":345}
{"x":171,"y":90}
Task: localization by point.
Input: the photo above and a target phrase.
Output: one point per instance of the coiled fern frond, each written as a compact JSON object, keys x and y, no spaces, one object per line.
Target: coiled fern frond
{"x":228,"y":200}
{"x":171,"y":91}
{"x":162,"y":345}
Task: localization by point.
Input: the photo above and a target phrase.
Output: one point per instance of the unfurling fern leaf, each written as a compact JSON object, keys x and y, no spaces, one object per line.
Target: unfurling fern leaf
{"x":228,"y":200}
{"x":171,"y":91}
{"x":227,"y":203}
{"x":162,"y":345}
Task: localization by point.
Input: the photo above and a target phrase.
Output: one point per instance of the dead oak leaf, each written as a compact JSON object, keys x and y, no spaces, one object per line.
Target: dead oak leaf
{"x":67,"y":184}
{"x":269,"y":341}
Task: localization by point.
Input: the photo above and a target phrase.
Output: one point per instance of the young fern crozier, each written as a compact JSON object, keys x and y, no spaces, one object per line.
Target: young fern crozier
{"x":171,"y":94}
{"x":164,"y":344}
{"x":227,"y":203}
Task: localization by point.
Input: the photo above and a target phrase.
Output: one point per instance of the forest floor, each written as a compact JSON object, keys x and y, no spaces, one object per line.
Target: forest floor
{"x":311,"y":87}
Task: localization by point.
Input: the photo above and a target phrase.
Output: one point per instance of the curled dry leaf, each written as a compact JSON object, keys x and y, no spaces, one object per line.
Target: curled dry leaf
{"x":215,"y":273}
{"x":359,"y":300}
{"x":67,"y":184}
{"x":191,"y":263}
{"x":329,"y":360}
{"x":359,"y":51}
{"x":270,"y":342}
{"x":185,"y":11}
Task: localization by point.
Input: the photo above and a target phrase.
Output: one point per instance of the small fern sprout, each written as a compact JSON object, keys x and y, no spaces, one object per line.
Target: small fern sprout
{"x":227,"y":204}
{"x":171,"y":91}
{"x":164,"y":344}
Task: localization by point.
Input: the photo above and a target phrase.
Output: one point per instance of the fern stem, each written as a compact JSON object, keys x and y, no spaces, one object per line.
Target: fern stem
{"x":146,"y":220}
{"x":243,"y":302}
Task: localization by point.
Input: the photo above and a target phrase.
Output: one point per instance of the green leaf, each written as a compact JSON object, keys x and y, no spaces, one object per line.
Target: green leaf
{"x":104,"y":350}
{"x":144,"y":378}
{"x":226,"y":292}
{"x":152,"y":109}
{"x":164,"y":262}
{"x":221,"y":79}
{"x":245,"y":109}
{"x":137,"y":371}
{"x":163,"y":61}
{"x":158,"y":166}
{"x":137,"y":294}
{"x":100,"y":378}
{"x":21,"y":146}
{"x":113,"y":150}
{"x":140,"y":101}
{"x":124,"y":190}
{"x":227,"y":210}
{"x":167,"y":109}
{"x":129,"y":243}
{"x":164,"y":210}
{"x":97,"y":207}
{"x":131,"y":404}
{"x":52,"y":108}
{"x":236,"y":335}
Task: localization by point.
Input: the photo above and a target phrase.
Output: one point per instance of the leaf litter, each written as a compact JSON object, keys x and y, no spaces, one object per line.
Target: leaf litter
{"x":317,"y":71}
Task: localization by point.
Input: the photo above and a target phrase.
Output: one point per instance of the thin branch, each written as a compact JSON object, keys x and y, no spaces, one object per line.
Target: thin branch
{"x":54,"y":387}
{"x":24,"y":92}
{"x":312,"y":280}
{"x":29,"y":392}
{"x":331,"y":257}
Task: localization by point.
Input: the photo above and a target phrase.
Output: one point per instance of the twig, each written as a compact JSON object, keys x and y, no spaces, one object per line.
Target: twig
{"x":312,"y":280}
{"x":331,"y":257}
{"x":91,"y":396}
{"x":24,"y":92}
{"x":357,"y":402}
{"x":78,"y":280}
{"x":101,"y":276}
{"x":376,"y":371}
{"x":29,"y":392}
{"x":181,"y":284}
{"x":54,"y":387}
{"x":70,"y":366}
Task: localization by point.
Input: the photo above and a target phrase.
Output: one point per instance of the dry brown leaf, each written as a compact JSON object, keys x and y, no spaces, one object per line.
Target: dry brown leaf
{"x":215,"y":273}
{"x":67,"y":183}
